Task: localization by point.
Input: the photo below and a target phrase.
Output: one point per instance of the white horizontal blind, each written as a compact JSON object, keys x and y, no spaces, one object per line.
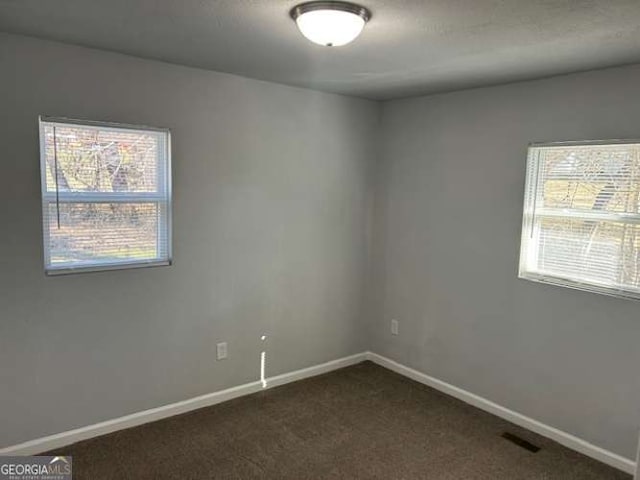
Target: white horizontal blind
{"x":106,"y":195}
{"x":581,"y":222}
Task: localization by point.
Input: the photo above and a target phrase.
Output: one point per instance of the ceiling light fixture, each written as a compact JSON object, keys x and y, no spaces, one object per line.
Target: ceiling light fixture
{"x":331,"y":24}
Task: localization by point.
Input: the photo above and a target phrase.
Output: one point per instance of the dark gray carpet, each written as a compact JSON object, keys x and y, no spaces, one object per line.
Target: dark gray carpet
{"x":359,"y":422}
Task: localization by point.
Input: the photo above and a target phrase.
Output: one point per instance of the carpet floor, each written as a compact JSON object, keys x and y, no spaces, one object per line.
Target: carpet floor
{"x":360,"y":422}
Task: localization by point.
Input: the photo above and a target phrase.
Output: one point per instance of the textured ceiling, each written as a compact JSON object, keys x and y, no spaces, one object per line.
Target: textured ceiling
{"x":410,"y":46}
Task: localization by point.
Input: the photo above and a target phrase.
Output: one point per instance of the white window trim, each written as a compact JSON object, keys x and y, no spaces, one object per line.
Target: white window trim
{"x":164,"y":201}
{"x":530,"y":212}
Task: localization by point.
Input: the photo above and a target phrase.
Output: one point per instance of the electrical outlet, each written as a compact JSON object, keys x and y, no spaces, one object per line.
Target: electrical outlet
{"x":394,"y":327}
{"x":221,"y":350}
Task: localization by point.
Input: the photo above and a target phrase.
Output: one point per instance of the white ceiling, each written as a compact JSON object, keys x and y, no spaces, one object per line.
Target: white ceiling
{"x":409,"y":47}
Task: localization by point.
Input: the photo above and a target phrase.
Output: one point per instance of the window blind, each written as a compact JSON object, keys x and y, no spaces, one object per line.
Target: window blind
{"x":581,"y":222}
{"x":106,"y":195}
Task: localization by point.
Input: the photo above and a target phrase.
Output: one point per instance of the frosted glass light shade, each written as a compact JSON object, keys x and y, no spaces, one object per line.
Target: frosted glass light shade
{"x":331,"y":24}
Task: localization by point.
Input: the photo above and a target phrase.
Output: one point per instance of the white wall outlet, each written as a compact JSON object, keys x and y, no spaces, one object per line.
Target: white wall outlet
{"x":394,"y":327}
{"x":221,"y":350}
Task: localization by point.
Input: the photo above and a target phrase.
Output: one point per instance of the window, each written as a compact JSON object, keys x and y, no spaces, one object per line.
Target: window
{"x":106,"y":195}
{"x":581,"y":222}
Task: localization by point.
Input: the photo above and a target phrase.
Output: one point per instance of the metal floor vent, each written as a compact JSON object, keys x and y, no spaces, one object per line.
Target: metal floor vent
{"x":521,"y":442}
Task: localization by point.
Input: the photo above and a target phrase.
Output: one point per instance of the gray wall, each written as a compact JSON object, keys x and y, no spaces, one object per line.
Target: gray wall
{"x":449,"y":210}
{"x":271,"y":192}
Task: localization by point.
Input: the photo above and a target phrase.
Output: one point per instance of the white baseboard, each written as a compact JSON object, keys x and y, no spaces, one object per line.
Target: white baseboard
{"x":72,"y":436}
{"x":566,"y":439}
{"x":58,"y":440}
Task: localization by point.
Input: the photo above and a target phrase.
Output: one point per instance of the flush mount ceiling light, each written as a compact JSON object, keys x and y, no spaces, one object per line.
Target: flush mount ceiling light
{"x":330,"y":24}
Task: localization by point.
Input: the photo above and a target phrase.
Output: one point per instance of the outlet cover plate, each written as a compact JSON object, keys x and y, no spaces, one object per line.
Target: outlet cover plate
{"x":394,"y":327}
{"x":221,"y":350}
